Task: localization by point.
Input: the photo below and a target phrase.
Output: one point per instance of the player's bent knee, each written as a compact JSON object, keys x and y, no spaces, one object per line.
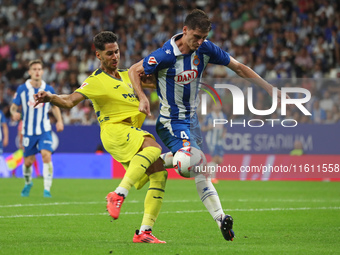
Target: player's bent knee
{"x":157,"y":166}
{"x":46,"y":156}
{"x":28,"y":161}
{"x":158,"y":179}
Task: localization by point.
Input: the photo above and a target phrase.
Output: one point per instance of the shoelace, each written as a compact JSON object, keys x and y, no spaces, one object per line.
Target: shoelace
{"x":149,"y":233}
{"x":119,"y":203}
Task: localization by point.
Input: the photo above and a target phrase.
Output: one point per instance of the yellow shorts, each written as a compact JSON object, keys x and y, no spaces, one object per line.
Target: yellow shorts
{"x":122,"y":140}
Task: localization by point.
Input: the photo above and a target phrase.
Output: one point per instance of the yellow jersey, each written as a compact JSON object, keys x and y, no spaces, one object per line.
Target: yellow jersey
{"x":113,"y":99}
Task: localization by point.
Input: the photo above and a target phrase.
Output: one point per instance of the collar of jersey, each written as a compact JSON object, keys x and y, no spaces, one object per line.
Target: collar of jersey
{"x":29,"y":84}
{"x":111,"y":75}
{"x":177,"y":52}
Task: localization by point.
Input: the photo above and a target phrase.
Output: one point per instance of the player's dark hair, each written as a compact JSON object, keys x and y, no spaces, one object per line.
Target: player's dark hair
{"x":103,"y":38}
{"x":35,"y":61}
{"x":198,"y":19}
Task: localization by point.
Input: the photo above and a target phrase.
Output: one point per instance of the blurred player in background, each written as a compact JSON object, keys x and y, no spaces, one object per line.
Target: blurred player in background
{"x":214,"y":137}
{"x":36,"y":128}
{"x":116,"y":106}
{"x":298,"y":149}
{"x":177,"y":65}
{"x":21,"y":147}
{"x":3,"y":143}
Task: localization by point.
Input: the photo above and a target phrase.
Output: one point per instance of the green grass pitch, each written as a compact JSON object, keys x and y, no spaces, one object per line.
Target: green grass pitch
{"x":269,"y":218}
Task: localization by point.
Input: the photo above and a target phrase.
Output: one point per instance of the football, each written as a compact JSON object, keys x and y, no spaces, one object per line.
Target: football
{"x":187,"y":159}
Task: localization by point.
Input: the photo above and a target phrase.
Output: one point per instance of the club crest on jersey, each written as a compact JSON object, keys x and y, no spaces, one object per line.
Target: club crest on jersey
{"x":186,"y":77}
{"x":83,"y":85}
{"x":152,"y":61}
{"x":186,"y":143}
{"x":196,"y":61}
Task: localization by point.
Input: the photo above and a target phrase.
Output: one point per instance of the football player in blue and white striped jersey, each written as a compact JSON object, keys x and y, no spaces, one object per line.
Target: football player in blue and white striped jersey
{"x":36,"y":128}
{"x":178,"y":67}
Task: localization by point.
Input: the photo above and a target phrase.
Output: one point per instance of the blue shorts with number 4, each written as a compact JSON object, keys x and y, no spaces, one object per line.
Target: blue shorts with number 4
{"x":35,"y":143}
{"x":176,"y":134}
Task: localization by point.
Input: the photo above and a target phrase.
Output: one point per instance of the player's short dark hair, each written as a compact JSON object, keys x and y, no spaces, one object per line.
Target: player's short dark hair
{"x":35,"y":61}
{"x":198,"y":19}
{"x":103,"y":38}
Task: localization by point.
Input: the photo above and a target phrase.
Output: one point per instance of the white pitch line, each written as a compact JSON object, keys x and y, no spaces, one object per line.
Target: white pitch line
{"x":180,"y":201}
{"x":49,"y":204}
{"x":175,"y":212}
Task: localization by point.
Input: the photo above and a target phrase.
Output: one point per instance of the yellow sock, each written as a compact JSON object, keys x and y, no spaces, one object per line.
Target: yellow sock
{"x":154,"y":198}
{"x":138,"y":165}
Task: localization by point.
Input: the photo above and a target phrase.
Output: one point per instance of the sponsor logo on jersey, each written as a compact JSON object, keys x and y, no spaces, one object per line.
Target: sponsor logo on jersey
{"x":31,"y":103}
{"x":186,"y":77}
{"x":129,"y":95}
{"x":116,"y":87}
{"x":152,"y":61}
{"x":83,"y":85}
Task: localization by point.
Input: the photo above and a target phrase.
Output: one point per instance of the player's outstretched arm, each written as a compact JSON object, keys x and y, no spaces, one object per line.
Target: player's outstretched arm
{"x":247,"y":73}
{"x":62,"y":101}
{"x":135,"y":73}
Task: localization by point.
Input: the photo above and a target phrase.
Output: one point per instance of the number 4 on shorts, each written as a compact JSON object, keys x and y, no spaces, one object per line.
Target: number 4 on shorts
{"x":184,"y":135}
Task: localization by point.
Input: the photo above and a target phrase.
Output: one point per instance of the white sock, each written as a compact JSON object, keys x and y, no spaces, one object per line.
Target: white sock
{"x":145,"y":228}
{"x":27,"y":172}
{"x":48,"y":175}
{"x":212,"y":163}
{"x":209,"y":197}
{"x":168,"y":159}
{"x":122,"y":191}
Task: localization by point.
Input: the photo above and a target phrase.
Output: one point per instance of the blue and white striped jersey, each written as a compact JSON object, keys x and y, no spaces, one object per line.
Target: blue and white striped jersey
{"x":178,"y":75}
{"x":2,"y":120}
{"x":215,"y":135}
{"x":35,"y":120}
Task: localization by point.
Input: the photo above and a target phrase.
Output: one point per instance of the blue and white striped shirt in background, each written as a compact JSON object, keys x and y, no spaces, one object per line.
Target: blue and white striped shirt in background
{"x":2,"y":120}
{"x":35,"y":120}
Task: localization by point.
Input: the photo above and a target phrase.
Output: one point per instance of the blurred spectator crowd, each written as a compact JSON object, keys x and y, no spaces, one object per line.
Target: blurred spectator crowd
{"x":293,"y":41}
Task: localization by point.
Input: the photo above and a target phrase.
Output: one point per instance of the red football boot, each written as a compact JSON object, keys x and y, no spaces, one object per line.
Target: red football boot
{"x":145,"y":237}
{"x":114,"y":203}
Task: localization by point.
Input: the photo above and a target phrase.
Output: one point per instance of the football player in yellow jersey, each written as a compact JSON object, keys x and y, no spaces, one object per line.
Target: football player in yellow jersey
{"x":120,"y":120}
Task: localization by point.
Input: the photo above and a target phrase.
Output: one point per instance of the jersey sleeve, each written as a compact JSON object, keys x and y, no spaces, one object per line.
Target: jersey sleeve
{"x":216,"y":54}
{"x":50,"y":89}
{"x":2,"y":117}
{"x":17,"y":98}
{"x":88,"y":88}
{"x":156,"y":61}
